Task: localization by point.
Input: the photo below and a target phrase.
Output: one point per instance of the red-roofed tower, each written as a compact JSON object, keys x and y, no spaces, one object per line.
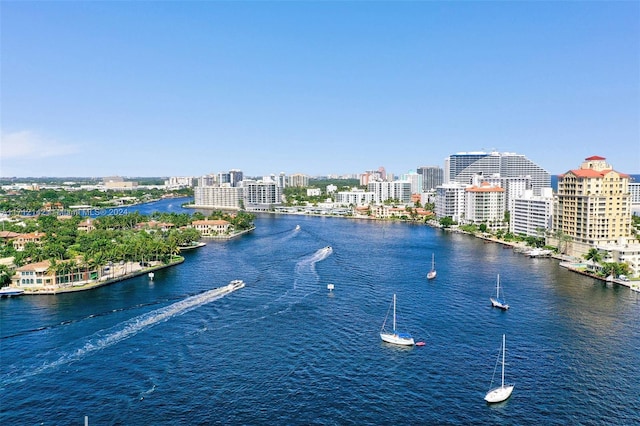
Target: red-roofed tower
{"x":593,"y":207}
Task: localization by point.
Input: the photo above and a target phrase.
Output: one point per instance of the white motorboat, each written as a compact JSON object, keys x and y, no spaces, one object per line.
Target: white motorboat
{"x":9,"y":291}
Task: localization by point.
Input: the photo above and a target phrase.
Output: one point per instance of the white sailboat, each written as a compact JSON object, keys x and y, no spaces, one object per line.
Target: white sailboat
{"x":432,"y":273}
{"x":498,"y":301}
{"x":502,"y":392}
{"x":395,"y":337}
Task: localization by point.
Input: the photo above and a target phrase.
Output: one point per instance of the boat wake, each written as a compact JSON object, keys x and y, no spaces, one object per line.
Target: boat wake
{"x":109,"y":337}
{"x":305,"y":281}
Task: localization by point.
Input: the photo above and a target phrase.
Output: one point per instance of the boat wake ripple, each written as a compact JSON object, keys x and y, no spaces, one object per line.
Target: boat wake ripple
{"x":109,"y":337}
{"x":305,"y":279}
{"x":88,"y":317}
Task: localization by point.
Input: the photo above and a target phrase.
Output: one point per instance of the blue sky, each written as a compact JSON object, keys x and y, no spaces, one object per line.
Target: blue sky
{"x":316,"y":87}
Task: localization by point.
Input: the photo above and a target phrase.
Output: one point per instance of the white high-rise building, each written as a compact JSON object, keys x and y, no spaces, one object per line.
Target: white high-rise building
{"x":355,"y":197}
{"x":485,"y":205}
{"x":514,"y":187}
{"x":261,"y":195}
{"x":463,"y":166}
{"x":531,"y":214}
{"x":397,"y":190}
{"x":218,"y":196}
{"x":416,"y":181}
{"x":451,"y":201}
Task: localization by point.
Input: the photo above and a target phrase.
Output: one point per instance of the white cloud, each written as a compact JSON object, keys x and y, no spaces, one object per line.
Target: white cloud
{"x":27,"y":144}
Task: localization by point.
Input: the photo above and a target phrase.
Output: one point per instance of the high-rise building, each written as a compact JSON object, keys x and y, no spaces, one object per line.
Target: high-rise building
{"x":235,"y":177}
{"x":485,"y":205}
{"x":450,"y":201}
{"x":432,"y":177}
{"x":457,"y":163}
{"x":397,"y":190}
{"x":261,"y":195}
{"x":593,"y":207}
{"x":299,"y":180}
{"x":416,"y":181}
{"x":218,"y":196}
{"x":531,"y":215}
{"x":463,"y":166}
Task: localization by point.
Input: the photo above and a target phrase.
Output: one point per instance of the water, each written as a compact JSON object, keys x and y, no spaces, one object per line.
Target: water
{"x":284,"y":350}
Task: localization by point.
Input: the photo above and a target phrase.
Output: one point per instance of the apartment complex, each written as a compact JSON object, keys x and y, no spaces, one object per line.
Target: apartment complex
{"x":450,"y":201}
{"x":396,"y":190}
{"x":432,"y":177}
{"x":593,"y":207}
{"x":462,"y":167}
{"x":299,"y":180}
{"x":485,"y":205}
{"x":531,"y":214}
{"x":218,"y":196}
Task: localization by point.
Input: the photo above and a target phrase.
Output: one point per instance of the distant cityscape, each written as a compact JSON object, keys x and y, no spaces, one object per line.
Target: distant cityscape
{"x":592,"y":206}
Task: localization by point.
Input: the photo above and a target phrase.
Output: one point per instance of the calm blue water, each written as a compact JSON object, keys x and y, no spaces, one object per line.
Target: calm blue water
{"x":286,"y":351}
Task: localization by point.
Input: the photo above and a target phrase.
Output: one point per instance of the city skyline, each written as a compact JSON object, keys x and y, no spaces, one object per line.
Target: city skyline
{"x":319,"y":88}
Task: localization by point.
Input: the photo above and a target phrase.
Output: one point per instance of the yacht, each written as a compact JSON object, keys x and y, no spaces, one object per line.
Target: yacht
{"x":10,"y":291}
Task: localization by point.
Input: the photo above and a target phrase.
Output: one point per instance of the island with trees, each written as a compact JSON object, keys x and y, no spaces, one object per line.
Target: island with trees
{"x":49,"y":253}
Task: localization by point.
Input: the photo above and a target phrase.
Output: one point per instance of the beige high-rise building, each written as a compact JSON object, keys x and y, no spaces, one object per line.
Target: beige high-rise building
{"x":592,"y":207}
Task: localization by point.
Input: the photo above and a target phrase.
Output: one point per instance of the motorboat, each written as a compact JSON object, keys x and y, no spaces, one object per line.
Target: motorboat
{"x":9,"y":291}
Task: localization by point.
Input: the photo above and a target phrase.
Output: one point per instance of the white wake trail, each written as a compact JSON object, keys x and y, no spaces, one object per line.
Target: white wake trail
{"x":106,"y":338}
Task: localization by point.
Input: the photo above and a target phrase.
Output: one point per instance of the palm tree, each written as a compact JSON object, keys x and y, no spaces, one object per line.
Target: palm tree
{"x":594,"y":255}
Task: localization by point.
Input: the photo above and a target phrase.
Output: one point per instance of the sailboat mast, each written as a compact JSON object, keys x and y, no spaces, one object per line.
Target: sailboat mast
{"x":503,"y":351}
{"x":394,"y":313}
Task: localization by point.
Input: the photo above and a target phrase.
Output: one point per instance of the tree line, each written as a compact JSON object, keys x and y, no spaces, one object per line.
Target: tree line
{"x":118,"y":238}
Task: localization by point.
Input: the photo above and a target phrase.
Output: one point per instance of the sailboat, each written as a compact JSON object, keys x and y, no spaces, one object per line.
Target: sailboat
{"x":502,"y":392}
{"x":498,"y":301}
{"x":395,"y":336}
{"x":432,"y":273}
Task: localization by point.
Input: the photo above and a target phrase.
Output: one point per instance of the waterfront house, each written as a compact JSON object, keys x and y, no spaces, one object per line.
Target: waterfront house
{"x":34,"y":275}
{"x":211,"y":228}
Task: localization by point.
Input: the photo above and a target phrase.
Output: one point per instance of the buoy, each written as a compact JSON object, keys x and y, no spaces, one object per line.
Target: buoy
{"x":151,"y":275}
{"x":330,"y":287}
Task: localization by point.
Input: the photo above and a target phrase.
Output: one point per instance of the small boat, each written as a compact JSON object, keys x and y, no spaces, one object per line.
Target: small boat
{"x":502,"y":392}
{"x":151,"y":275}
{"x":297,"y":227}
{"x":395,"y":337}
{"x":9,"y":291}
{"x":235,"y":285}
{"x":432,"y":273}
{"x":191,"y":246}
{"x":538,"y":252}
{"x":498,"y":301}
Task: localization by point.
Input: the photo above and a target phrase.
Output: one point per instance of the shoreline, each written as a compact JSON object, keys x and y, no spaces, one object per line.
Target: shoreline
{"x":566,"y":262}
{"x":97,"y":284}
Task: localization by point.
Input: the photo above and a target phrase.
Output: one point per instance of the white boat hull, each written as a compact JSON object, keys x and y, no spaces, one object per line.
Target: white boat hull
{"x":235,"y":285}
{"x":10,"y":291}
{"x":397,"y":339}
{"x":499,"y":394}
{"x":431,"y":275}
{"x":497,"y":304}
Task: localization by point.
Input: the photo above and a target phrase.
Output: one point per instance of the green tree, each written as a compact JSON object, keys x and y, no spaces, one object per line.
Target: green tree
{"x":593,"y":255}
{"x":446,"y":222}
